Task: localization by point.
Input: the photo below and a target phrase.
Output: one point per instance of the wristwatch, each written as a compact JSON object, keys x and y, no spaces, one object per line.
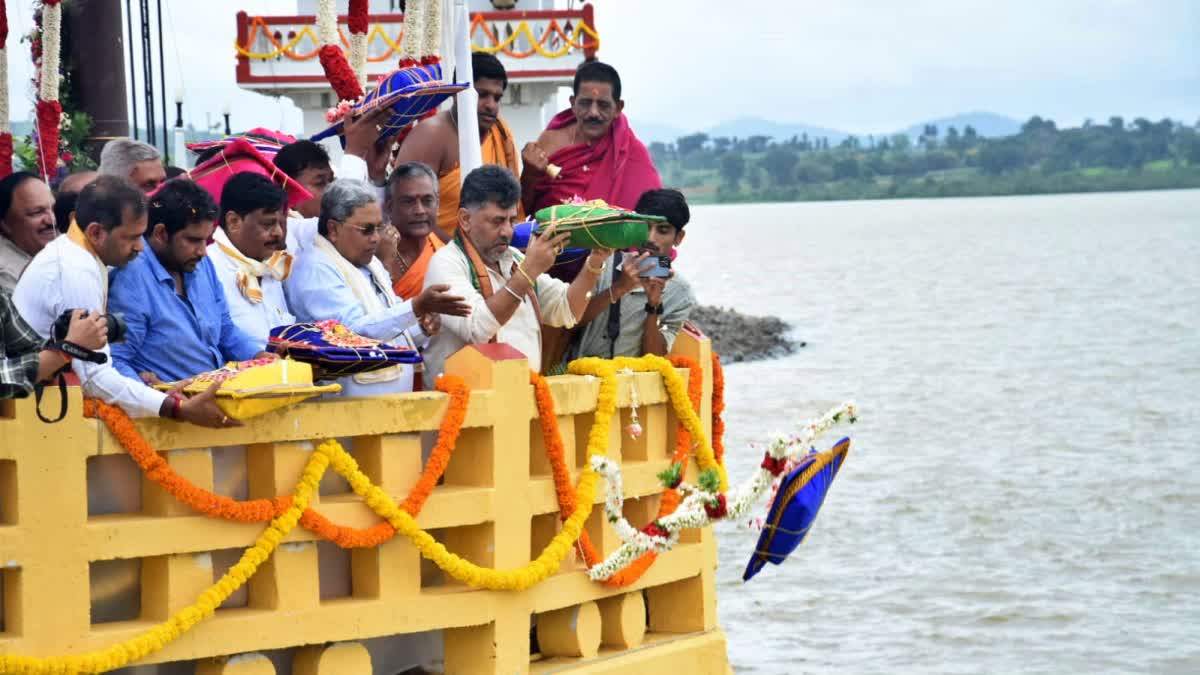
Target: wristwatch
{"x":654,"y":309}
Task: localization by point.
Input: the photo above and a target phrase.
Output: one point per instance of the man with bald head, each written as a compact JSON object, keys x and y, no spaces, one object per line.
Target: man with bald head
{"x":67,"y":195}
{"x":26,"y":224}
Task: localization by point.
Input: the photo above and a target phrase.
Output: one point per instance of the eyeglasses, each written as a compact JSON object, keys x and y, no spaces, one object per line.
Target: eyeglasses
{"x":367,"y":230}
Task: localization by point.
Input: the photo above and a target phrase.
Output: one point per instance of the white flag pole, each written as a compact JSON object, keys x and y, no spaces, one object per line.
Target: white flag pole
{"x":470,"y":156}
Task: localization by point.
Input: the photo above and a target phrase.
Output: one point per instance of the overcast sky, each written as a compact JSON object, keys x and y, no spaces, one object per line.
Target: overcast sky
{"x":854,"y":65}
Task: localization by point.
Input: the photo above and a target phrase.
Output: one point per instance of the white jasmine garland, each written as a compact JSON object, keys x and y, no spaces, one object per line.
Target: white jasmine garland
{"x":431,"y":45}
{"x":51,"y":46}
{"x":691,"y":512}
{"x":358,"y":57}
{"x":414,"y":27}
{"x":327,"y":23}
{"x":5,"y":125}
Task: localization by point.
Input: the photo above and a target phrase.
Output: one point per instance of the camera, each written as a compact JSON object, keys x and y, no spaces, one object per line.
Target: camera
{"x":661,"y":267}
{"x":58,"y":335}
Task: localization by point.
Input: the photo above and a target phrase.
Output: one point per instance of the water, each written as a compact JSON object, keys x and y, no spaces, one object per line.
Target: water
{"x":1023,"y":492}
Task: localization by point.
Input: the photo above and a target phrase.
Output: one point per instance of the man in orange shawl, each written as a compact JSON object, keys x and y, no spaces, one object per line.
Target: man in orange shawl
{"x":434,"y":141}
{"x":407,"y":246}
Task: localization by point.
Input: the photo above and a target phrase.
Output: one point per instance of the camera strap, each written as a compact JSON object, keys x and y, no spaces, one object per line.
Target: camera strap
{"x":62,"y":396}
{"x":613,"y":328}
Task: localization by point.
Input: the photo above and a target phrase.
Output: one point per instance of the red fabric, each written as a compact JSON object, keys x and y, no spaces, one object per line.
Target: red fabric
{"x":240,"y":155}
{"x":48,"y":115}
{"x":358,"y":16}
{"x":339,"y":73}
{"x":619,"y":168}
{"x":3,"y":23}
{"x":6,"y":150}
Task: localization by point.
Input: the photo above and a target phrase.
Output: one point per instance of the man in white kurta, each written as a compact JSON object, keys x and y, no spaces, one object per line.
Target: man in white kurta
{"x":510,"y":295}
{"x":249,"y":256}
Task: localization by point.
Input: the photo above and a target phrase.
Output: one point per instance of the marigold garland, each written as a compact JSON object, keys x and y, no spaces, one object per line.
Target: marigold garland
{"x":154,"y":639}
{"x":261,"y":510}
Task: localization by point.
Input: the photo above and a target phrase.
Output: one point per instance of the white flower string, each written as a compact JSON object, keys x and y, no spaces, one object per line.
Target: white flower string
{"x":358,"y":57}
{"x":327,"y":23}
{"x":432,"y":28}
{"x":51,"y":48}
{"x":414,"y":26}
{"x":634,"y":428}
{"x":699,"y":506}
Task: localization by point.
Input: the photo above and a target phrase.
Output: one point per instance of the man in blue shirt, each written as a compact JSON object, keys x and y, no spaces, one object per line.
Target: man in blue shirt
{"x":174,"y":306}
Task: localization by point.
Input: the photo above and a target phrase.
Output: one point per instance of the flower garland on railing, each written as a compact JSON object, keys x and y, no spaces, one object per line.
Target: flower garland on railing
{"x":707,"y":501}
{"x":154,"y":639}
{"x":6,"y":137}
{"x":49,"y":110}
{"x":341,"y":75}
{"x":358,"y":39}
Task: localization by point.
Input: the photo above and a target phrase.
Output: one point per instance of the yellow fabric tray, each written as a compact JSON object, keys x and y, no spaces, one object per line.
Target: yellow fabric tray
{"x":249,"y":389}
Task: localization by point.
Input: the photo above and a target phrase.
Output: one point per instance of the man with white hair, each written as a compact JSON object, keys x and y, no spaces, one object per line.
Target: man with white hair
{"x":140,"y":162}
{"x":338,"y":277}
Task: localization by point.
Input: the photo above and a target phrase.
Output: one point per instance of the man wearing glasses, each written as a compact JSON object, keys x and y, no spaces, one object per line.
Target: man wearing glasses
{"x":340,"y":278}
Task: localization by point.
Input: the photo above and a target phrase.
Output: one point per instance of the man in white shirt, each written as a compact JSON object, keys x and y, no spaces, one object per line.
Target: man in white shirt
{"x":338,"y":277}
{"x":71,"y":273}
{"x":249,"y":253}
{"x":510,"y":296}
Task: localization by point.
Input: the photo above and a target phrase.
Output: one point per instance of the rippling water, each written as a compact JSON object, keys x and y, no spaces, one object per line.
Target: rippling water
{"x":1023,"y":491}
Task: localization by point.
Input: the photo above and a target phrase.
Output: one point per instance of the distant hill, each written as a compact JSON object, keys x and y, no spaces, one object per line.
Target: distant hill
{"x":986,"y":124}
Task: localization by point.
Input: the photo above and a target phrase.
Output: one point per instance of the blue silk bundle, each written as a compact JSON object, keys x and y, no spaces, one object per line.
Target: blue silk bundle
{"x":795,"y":507}
{"x":310,"y":343}
{"x":410,"y":92}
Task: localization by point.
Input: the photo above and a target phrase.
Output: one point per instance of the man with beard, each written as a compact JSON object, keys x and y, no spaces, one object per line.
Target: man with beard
{"x":26,"y":224}
{"x":408,"y":245}
{"x":71,"y":273}
{"x":435,"y":141}
{"x":510,"y":295}
{"x":338,"y":277}
{"x":249,"y":253}
{"x":178,"y":321}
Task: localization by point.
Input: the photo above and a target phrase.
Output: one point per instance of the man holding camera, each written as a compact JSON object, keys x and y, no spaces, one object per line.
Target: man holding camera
{"x":510,"y":296}
{"x":26,"y":359}
{"x":640,"y":303}
{"x":71,"y":273}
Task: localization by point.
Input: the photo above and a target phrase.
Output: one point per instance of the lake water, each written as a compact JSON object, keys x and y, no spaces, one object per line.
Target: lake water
{"x":1023,"y":490}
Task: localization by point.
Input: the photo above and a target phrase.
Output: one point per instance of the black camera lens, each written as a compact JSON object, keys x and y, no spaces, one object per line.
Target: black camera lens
{"x":116,"y":327}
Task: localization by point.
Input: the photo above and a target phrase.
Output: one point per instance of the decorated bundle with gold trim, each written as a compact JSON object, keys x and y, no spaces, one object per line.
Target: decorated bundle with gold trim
{"x":595,"y":224}
{"x":251,"y":388}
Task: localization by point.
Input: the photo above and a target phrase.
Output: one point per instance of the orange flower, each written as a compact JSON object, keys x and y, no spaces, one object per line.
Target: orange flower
{"x":261,"y":510}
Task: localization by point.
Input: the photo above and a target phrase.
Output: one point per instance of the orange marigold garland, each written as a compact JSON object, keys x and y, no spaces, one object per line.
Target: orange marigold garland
{"x":671,"y":498}
{"x":262,"y":510}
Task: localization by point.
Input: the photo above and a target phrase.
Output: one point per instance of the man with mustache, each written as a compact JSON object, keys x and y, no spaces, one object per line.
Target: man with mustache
{"x":71,"y":273}
{"x":434,"y":142}
{"x":249,"y":253}
{"x":26,"y":224}
{"x":409,"y":243}
{"x":177,"y":317}
{"x":594,"y":149}
{"x":510,"y":295}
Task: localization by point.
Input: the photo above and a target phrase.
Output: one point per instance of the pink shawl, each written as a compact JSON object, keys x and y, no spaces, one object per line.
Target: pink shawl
{"x":617,"y":168}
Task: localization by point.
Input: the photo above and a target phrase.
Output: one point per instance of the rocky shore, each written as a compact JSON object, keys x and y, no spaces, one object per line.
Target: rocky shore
{"x":740,"y":337}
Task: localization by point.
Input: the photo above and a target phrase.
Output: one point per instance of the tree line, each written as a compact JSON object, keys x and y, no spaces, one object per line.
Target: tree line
{"x":1041,"y":157}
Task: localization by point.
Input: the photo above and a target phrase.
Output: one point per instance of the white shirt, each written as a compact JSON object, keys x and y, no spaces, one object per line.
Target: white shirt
{"x":256,"y":319}
{"x":64,"y":276}
{"x":451,"y":266}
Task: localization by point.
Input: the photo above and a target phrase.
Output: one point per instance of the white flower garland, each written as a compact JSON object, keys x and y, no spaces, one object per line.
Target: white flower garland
{"x":358,"y":57}
{"x":691,"y":512}
{"x":5,"y":125}
{"x":432,"y":28}
{"x":327,"y":23}
{"x":414,"y":26}
{"x":51,"y":45}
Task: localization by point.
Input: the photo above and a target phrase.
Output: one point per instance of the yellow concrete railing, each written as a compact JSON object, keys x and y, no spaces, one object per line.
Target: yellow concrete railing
{"x":92,"y":553}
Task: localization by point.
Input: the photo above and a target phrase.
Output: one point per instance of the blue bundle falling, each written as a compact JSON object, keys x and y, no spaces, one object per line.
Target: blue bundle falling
{"x":795,"y":506}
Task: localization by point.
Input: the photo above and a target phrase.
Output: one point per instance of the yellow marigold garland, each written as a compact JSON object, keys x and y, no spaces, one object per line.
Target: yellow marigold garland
{"x":331,"y":453}
{"x":159,"y":636}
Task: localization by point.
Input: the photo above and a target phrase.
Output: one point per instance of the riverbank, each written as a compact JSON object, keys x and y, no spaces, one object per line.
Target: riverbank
{"x":742,"y":337}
